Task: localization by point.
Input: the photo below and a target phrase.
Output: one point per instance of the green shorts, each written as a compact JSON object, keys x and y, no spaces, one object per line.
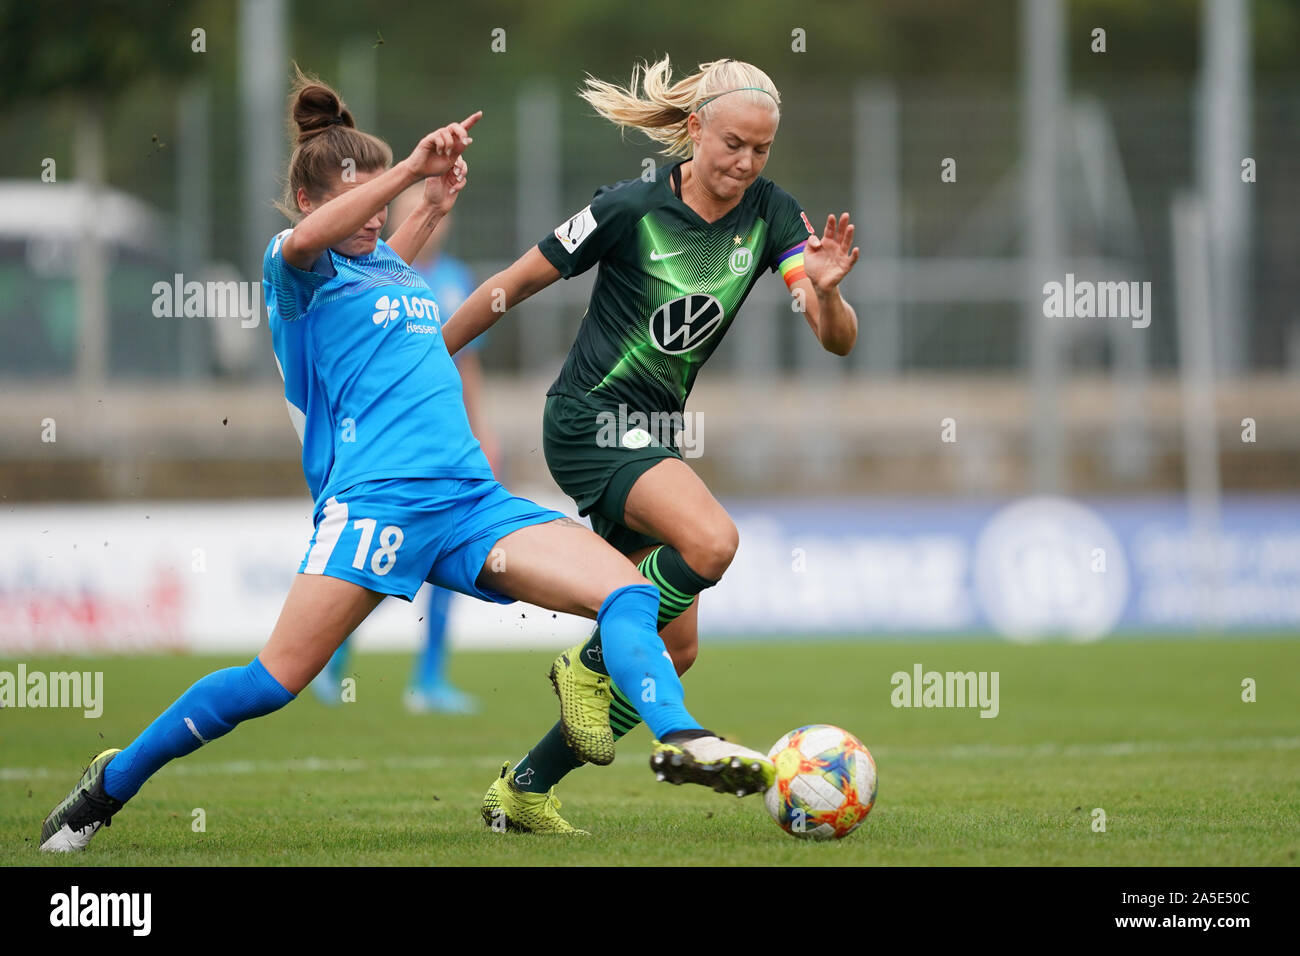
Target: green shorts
{"x":596,"y":465}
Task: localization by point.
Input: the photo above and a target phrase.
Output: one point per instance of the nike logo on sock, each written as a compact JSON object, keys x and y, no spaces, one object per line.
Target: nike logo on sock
{"x":194,"y":730}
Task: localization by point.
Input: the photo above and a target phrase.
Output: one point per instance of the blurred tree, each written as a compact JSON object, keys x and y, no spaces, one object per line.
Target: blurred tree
{"x":89,"y":47}
{"x":89,"y":51}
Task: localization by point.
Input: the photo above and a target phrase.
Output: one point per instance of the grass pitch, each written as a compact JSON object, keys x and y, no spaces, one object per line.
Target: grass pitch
{"x":1154,"y":733}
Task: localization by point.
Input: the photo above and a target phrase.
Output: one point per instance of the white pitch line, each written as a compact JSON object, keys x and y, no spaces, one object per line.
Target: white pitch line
{"x":299,"y":765}
{"x":959,"y":752}
{"x":1124,"y":748}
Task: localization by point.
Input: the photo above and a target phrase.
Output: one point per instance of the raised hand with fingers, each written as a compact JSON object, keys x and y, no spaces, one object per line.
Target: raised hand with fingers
{"x":441,"y":191}
{"x":437,"y":153}
{"x":828,"y":258}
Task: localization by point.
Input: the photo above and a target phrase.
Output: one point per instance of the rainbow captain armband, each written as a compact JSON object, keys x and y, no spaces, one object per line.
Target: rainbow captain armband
{"x":790,"y":263}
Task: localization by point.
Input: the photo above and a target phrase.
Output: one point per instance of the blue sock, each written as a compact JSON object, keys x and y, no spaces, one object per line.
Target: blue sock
{"x":637,"y":661}
{"x":429,"y":666}
{"x":210,"y":708}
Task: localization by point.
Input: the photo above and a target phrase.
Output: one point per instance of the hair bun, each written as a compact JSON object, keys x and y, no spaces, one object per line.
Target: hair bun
{"x":317,"y":108}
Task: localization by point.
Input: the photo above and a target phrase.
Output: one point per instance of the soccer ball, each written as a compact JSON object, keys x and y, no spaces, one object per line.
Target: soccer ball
{"x":825,"y":783}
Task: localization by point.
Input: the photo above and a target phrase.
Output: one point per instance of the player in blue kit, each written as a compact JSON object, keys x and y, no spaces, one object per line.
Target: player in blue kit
{"x":403,"y":494}
{"x":430,"y":689}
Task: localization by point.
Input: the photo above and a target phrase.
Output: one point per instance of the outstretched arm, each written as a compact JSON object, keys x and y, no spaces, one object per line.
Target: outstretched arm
{"x":334,"y":221}
{"x":530,"y":273}
{"x":439,"y":195}
{"x":827,"y":259}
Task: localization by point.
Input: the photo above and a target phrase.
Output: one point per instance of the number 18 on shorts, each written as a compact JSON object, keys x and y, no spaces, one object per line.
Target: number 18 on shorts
{"x":392,"y":535}
{"x":361,"y":547}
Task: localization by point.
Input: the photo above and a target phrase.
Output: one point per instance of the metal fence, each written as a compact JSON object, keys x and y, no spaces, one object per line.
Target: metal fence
{"x":939,"y":287}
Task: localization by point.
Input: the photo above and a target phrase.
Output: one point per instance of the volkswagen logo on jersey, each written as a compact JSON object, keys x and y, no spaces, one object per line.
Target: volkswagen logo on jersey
{"x":741,"y":260}
{"x":682,"y":324}
{"x":385,"y":311}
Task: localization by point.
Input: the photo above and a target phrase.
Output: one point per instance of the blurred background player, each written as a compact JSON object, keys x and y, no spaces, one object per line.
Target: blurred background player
{"x":430,"y":690}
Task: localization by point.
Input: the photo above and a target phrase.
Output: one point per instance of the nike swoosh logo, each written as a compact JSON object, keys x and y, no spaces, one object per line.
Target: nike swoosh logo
{"x":655,"y":256}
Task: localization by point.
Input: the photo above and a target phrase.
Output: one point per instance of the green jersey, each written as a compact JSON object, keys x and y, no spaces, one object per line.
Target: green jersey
{"x":668,"y":288}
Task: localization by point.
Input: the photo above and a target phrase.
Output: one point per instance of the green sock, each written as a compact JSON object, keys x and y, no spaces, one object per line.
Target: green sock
{"x":622,"y":713}
{"x":592,"y":654}
{"x":677,"y":583}
{"x":544,"y":765}
{"x":547,"y":763}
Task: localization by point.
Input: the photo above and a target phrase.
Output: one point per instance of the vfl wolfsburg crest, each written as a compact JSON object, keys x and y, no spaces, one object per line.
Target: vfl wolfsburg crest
{"x":741,"y":260}
{"x":682,"y":324}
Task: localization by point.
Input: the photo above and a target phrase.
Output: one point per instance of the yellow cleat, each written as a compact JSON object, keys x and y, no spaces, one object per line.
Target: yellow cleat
{"x":506,"y":807}
{"x":584,"y":708}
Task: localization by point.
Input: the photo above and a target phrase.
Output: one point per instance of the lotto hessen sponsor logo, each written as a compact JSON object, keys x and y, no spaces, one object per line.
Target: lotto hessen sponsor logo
{"x":684,"y":323}
{"x":388,"y":308}
{"x":385,"y":311}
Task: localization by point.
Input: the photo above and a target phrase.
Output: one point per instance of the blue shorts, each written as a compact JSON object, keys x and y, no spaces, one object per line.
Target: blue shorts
{"x":393,"y":535}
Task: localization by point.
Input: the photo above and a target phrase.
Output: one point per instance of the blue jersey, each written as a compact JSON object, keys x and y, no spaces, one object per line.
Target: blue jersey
{"x":452,"y":283}
{"x":370,"y":387}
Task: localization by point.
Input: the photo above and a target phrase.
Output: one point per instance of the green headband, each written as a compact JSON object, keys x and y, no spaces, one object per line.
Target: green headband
{"x":736,"y":90}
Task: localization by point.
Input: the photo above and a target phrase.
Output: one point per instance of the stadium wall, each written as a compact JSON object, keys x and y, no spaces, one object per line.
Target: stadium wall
{"x":758,"y":436}
{"x":211,"y":576}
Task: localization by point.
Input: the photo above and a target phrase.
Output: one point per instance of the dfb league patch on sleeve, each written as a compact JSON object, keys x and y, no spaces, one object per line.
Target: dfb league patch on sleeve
{"x":574,"y":232}
{"x":807,"y":225}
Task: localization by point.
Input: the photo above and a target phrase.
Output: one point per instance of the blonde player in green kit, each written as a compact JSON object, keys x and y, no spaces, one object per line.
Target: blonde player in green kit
{"x":677,"y":256}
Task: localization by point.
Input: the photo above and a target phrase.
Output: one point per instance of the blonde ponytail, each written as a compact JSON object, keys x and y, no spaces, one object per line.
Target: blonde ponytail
{"x":661,"y":109}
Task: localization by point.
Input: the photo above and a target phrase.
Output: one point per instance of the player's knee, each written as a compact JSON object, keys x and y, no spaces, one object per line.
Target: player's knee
{"x":712,"y":548}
